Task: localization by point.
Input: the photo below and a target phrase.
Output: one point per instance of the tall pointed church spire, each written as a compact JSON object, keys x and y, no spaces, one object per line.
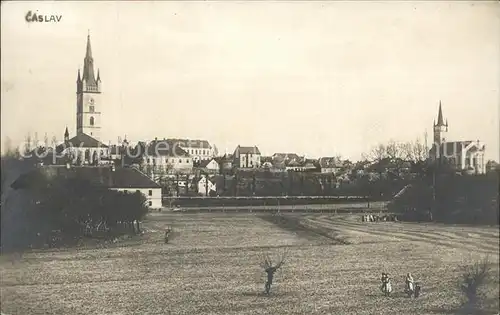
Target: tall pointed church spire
{"x":440,"y":121}
{"x":66,"y":134}
{"x":88,"y":54}
{"x":88,"y":66}
{"x":79,"y":78}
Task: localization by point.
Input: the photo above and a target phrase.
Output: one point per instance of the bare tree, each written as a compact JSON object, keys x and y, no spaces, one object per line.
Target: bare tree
{"x":392,"y":150}
{"x":270,"y":269}
{"x":376,"y":154}
{"x":414,"y":151}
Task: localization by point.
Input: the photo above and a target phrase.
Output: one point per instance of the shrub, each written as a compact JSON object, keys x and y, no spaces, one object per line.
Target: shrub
{"x":474,"y":281}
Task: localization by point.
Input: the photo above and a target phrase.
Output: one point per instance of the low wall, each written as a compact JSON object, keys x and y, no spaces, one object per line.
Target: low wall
{"x":262,"y":201}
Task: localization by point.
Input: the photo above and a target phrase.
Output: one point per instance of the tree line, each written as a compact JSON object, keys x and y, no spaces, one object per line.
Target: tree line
{"x":36,"y":208}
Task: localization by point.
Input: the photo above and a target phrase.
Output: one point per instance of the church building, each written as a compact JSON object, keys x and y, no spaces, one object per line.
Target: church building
{"x":85,"y":148}
{"x":463,"y":155}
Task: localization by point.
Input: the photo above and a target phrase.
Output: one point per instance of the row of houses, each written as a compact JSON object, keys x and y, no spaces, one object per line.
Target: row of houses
{"x":176,"y":155}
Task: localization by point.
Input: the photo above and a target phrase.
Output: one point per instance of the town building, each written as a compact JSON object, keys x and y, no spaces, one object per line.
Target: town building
{"x":206,"y":187}
{"x":199,"y":150}
{"x":165,"y":156}
{"x":210,"y":166}
{"x":330,"y":164}
{"x":465,"y":156}
{"x":128,"y":180}
{"x":246,"y":157}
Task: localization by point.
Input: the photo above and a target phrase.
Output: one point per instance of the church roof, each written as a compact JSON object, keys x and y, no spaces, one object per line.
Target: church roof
{"x":86,"y":141}
{"x":120,"y":177}
{"x":81,"y":140}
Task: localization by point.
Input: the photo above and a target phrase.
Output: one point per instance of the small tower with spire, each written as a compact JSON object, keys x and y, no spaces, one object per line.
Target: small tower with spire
{"x":66,"y":135}
{"x":88,"y":91}
{"x":440,"y":127}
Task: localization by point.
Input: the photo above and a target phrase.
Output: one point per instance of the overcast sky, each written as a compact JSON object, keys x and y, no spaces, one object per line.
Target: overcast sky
{"x":319,"y":78}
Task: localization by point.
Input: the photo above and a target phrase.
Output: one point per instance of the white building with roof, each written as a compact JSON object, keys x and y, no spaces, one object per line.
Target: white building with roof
{"x":462,"y":155}
{"x":247,"y":157}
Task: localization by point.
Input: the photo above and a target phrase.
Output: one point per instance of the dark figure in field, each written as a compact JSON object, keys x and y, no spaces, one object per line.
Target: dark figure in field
{"x":386,"y":286}
{"x":270,"y":274}
{"x":167,"y":235}
{"x":417,"y":290}
{"x":270,"y":270}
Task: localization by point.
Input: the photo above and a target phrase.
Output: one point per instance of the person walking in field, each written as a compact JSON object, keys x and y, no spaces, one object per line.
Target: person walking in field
{"x":167,"y":234}
{"x":409,"y":284}
{"x":386,"y":286}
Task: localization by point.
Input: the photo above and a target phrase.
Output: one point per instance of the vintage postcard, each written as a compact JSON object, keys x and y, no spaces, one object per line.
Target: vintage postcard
{"x":250,"y":157}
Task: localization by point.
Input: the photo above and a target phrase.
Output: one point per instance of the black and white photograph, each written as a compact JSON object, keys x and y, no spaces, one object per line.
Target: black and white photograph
{"x":250,"y":157}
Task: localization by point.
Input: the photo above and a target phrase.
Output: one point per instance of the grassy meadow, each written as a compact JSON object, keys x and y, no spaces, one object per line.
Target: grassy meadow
{"x":212,"y":266}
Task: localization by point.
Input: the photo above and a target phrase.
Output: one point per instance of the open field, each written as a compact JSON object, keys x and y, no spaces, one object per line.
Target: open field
{"x":212,"y":267}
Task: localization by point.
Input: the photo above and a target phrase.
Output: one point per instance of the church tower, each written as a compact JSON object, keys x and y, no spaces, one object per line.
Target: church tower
{"x":88,"y":98}
{"x":440,"y":127}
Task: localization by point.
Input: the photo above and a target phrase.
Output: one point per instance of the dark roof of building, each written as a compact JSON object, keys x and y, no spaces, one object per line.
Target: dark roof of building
{"x":194,"y":144}
{"x":119,"y":177}
{"x":165,"y":148}
{"x":327,"y":162}
{"x":264,"y":159}
{"x":204,"y":163}
{"x":287,"y":156}
{"x":246,"y":150}
{"x":81,"y":140}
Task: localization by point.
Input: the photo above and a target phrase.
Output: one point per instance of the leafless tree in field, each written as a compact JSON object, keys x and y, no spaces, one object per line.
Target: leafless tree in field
{"x":270,"y":269}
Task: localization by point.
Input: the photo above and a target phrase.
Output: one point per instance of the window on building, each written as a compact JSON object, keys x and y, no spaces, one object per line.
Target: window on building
{"x":137,"y":190}
{"x":91,"y":121}
{"x":187,"y":161}
{"x":91,"y":109}
{"x":150,"y":192}
{"x":150,"y":203}
{"x":180,"y":161}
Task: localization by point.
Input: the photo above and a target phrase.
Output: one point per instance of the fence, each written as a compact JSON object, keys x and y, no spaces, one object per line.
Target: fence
{"x":280,"y":203}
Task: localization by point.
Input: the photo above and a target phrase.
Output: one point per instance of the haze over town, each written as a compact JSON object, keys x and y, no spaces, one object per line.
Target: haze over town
{"x":314,"y":78}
